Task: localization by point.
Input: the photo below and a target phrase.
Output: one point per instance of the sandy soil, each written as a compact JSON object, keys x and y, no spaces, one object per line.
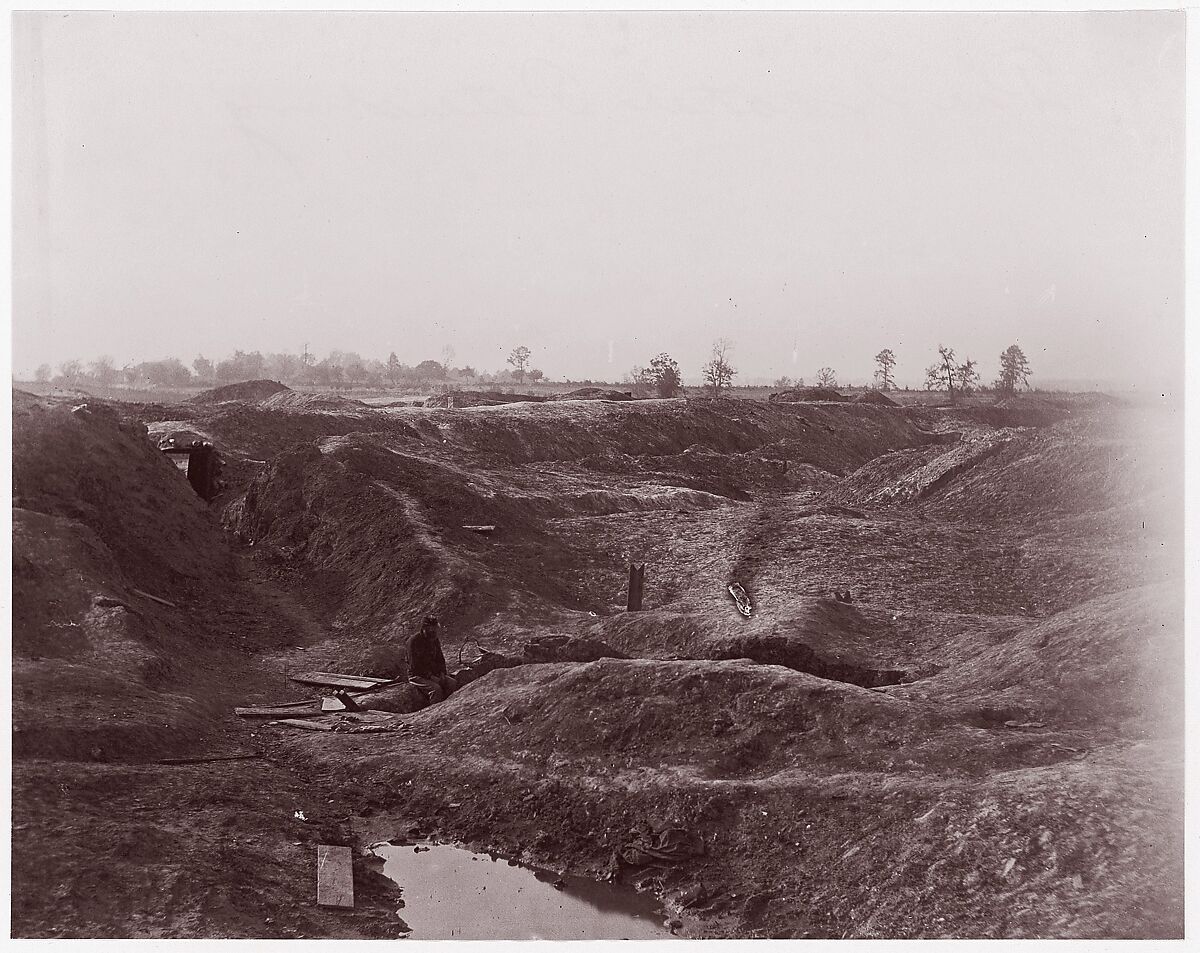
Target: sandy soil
{"x":985,"y":742}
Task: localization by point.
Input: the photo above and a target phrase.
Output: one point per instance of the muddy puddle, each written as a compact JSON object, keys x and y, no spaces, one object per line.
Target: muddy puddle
{"x":451,"y":893}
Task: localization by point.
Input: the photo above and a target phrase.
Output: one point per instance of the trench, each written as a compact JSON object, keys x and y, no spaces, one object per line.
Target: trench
{"x":803,"y":658}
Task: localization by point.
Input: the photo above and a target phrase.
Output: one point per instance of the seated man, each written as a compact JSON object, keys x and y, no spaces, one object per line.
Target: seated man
{"x":427,"y":665}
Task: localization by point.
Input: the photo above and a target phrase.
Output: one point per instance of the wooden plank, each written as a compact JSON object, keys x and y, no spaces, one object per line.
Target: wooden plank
{"x":154,"y":598}
{"x":361,"y":678}
{"x":306,"y":703}
{"x":310,"y":712}
{"x":480,"y":529}
{"x":305,"y":709}
{"x":330,"y":680}
{"x":307,"y":725}
{"x":285,"y":706}
{"x":335,"y":876}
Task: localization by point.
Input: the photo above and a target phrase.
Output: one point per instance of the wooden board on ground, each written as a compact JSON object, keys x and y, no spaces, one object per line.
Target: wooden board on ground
{"x":157,"y":599}
{"x":311,"y":710}
{"x":486,"y":530}
{"x":307,"y":725}
{"x":305,"y":709}
{"x":333,"y":680}
{"x":335,"y":876}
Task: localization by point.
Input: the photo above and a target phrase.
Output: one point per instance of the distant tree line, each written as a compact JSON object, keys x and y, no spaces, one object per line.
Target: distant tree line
{"x":661,"y":377}
{"x":340,"y":369}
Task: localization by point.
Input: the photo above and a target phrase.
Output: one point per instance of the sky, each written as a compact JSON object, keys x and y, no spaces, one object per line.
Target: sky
{"x":601,"y":187}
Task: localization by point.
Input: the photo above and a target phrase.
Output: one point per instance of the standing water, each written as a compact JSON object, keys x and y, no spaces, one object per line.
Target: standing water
{"x":454,"y":894}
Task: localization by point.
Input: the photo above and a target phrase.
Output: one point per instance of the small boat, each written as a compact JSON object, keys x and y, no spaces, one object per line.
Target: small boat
{"x":742,"y":600}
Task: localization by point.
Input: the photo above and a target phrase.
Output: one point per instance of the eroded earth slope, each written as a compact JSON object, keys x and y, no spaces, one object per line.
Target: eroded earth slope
{"x":984,"y":741}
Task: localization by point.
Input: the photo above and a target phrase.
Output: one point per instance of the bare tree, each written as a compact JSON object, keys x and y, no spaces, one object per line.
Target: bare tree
{"x":783,"y":382}
{"x":1014,"y":369}
{"x":42,"y":374}
{"x":827,"y":377}
{"x":948,"y":375}
{"x":966,"y":377}
{"x":718,"y":372}
{"x":519,"y":359}
{"x":885,"y":360}
{"x":940,"y":376}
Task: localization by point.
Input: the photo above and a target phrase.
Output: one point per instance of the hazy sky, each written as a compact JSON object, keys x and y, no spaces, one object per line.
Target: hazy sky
{"x":601,"y":187}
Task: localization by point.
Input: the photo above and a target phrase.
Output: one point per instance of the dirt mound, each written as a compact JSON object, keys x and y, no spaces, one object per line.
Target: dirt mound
{"x":290,"y":400}
{"x":1065,"y":470}
{"x":380,"y":531}
{"x":245,"y":390}
{"x":567,"y":648}
{"x":1114,"y":662}
{"x":760,"y":763}
{"x":730,"y":475}
{"x":83,"y":464}
{"x":375,"y":523}
{"x":812,"y":634}
{"x":878,"y":398}
{"x":835,"y":439}
{"x":664,"y":712}
{"x":104,"y":523}
{"x":592,"y":393}
{"x":258,"y":432}
{"x":1013,"y":412}
{"x":914,"y":474}
{"x":482,"y":398}
{"x":801,"y":394}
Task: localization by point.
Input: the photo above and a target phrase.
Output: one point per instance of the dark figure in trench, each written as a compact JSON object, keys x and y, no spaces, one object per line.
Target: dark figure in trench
{"x":427,"y":664}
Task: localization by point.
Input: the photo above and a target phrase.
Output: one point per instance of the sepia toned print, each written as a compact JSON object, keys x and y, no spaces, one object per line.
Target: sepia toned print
{"x":597,"y":475}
